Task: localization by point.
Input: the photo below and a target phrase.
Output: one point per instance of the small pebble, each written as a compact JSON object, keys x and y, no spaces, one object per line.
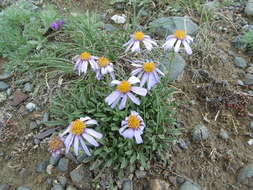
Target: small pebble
{"x":127,"y":185}
{"x":62,"y":180}
{"x":250,"y":142}
{"x":200,"y":132}
{"x":24,"y":188}
{"x":251,"y":125}
{"x":63,"y":164}
{"x":28,"y":87}
{"x":70,"y":188}
{"x":3,"y":86}
{"x":240,"y":62}
{"x":223,"y":134}
{"x":41,"y":167}
{"x":33,"y":125}
{"x":30,"y":107}
{"x":45,"y":117}
{"x":9,"y":91}
{"x":57,"y":187}
{"x":3,"y":97}
{"x":54,"y":159}
{"x":239,"y":82}
{"x":5,"y":187}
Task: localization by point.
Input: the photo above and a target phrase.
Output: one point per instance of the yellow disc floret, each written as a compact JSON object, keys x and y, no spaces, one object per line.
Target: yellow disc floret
{"x":55,"y":144}
{"x":138,"y":36}
{"x":133,"y":122}
{"x":85,"y":56}
{"x":103,"y":61}
{"x":180,"y":34}
{"x":77,"y":127}
{"x":149,"y":67}
{"x":124,"y":87}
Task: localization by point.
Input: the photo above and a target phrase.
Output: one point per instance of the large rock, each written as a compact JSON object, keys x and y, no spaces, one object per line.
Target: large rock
{"x":189,"y":186}
{"x":246,"y":175}
{"x":173,"y":67}
{"x":168,"y":25}
{"x":80,"y":178}
{"x":249,"y":8}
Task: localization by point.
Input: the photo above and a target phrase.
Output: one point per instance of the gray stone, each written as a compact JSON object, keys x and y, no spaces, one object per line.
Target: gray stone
{"x":70,"y":188}
{"x":211,"y":5}
{"x":36,"y":141}
{"x":5,"y":187}
{"x":246,"y":175}
{"x":173,"y":67}
{"x":80,"y":178}
{"x":127,"y":185}
{"x":200,"y":132}
{"x":249,"y":70}
{"x":239,"y":82}
{"x":248,"y":79}
{"x":57,"y":187}
{"x":45,"y":134}
{"x":54,"y":159}
{"x":49,"y":181}
{"x":45,"y":117}
{"x":63,"y":164}
{"x":249,"y":8}
{"x":9,"y":91}
{"x":30,"y":106}
{"x":28,"y":87}
{"x":223,"y":134}
{"x":140,"y":174}
{"x":251,"y":125}
{"x":240,"y":62}
{"x":3,"y":97}
{"x":3,"y":86}
{"x":189,"y":186}
{"x":180,"y":180}
{"x":24,"y":188}
{"x":81,"y":157}
{"x":183,"y":144}
{"x":168,"y":25}
{"x":41,"y":167}
{"x":238,"y":43}
{"x":5,"y":76}
{"x":24,"y":173}
{"x":33,"y":125}
{"x":62,"y":180}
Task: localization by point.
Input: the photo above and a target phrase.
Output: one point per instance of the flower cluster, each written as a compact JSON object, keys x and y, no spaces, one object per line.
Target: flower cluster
{"x":146,"y":74}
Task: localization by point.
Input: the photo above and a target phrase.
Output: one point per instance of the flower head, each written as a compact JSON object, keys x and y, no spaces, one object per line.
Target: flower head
{"x":104,"y":66}
{"x":124,"y":90}
{"x":56,"y":25}
{"x":174,"y":41}
{"x":77,"y":132}
{"x":148,"y":73}
{"x":136,"y":39}
{"x":82,"y":61}
{"x":56,"y":145}
{"x":132,"y":126}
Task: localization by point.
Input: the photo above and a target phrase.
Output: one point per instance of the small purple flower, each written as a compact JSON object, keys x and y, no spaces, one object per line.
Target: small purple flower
{"x":56,"y":25}
{"x":56,"y":145}
{"x":132,"y":126}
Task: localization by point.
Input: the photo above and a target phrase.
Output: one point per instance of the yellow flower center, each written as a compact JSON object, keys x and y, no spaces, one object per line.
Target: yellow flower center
{"x":138,"y":36}
{"x":133,"y":122}
{"x":149,"y":67}
{"x":124,"y":87}
{"x":85,"y":56}
{"x":77,"y":127}
{"x":103,"y":61}
{"x":180,"y":34}
{"x":55,"y":144}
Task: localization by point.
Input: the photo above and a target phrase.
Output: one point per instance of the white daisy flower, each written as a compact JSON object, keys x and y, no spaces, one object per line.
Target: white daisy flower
{"x":147,"y":73}
{"x":78,"y":132}
{"x":136,"y":39}
{"x":82,"y":61}
{"x":174,"y":41}
{"x":132,"y":126}
{"x":124,"y":90}
{"x":104,"y":66}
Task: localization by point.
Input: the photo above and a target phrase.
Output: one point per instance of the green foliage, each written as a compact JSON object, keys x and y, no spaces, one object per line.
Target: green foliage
{"x":86,"y":98}
{"x":248,"y":39}
{"x":21,"y":30}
